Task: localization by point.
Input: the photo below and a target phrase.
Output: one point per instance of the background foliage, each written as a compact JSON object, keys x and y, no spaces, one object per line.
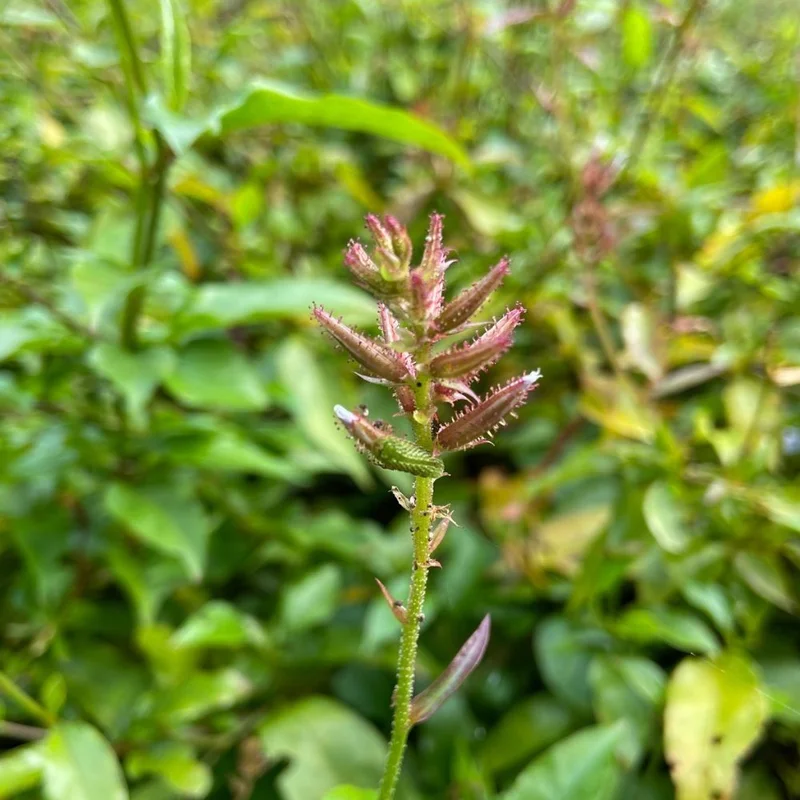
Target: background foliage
{"x":188,"y":544}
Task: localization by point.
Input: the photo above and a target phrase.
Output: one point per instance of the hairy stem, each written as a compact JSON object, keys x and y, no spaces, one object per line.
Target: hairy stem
{"x":406,"y":661}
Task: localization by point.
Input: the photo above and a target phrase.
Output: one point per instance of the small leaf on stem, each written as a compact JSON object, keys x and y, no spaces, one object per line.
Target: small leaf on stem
{"x":397,"y":608}
{"x":428,"y":701}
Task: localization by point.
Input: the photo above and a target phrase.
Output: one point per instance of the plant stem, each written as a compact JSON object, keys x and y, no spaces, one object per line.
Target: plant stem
{"x":24,"y":700}
{"x":406,"y":661}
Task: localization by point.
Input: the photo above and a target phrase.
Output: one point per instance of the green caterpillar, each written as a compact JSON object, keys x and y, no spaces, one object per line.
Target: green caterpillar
{"x":400,"y":454}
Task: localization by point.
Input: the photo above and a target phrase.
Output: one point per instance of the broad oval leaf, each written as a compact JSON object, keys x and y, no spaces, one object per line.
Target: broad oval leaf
{"x":581,"y":767}
{"x":20,"y":769}
{"x":715,"y":713}
{"x":664,"y":517}
{"x":428,"y":701}
{"x":79,"y":764}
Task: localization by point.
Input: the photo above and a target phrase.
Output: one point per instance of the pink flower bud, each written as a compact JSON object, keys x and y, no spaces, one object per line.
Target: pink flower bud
{"x":471,"y":426}
{"x":375,"y":357}
{"x":367,"y":274}
{"x":427,"y":293}
{"x":390,"y":327}
{"x":471,"y":358}
{"x":391,"y":265}
{"x":434,"y":257}
{"x":400,"y":239}
{"x":463,"y":306}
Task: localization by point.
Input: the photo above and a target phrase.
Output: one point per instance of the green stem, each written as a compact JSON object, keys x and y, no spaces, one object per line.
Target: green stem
{"x":407,"y":657}
{"x":25,"y":701}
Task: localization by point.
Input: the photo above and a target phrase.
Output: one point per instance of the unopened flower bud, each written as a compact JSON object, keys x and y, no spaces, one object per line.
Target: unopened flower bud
{"x":367,"y":274}
{"x":387,"y":450}
{"x":392,"y":266}
{"x":464,"y":305}
{"x":469,"y":359}
{"x":434,"y":257}
{"x":374,"y":356}
{"x":478,"y":421}
{"x":401,"y":241}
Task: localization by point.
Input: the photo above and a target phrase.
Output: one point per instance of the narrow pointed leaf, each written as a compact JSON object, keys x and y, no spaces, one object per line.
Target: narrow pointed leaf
{"x":427,"y":702}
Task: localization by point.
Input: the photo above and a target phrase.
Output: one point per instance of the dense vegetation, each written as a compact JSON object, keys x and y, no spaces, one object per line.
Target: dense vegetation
{"x":188,"y":545}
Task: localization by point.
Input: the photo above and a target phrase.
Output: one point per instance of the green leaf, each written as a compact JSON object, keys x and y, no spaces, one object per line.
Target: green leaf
{"x":564,"y":652}
{"x":199,"y":694}
{"x":176,"y":764}
{"x":312,"y":401}
{"x":223,"y":305}
{"x":176,"y":53}
{"x":20,"y":769}
{"x":214,"y":374}
{"x":268,"y":102}
{"x":219,"y":625}
{"x":350,"y":793}
{"x":135,"y":375}
{"x":529,"y":726}
{"x":715,"y":713}
{"x":766,"y":576}
{"x":581,"y":767}
{"x":628,"y":688}
{"x":676,"y":628}
{"x":311,"y":600}
{"x":326,"y":743}
{"x":223,"y":448}
{"x":428,"y":701}
{"x":166,"y":520}
{"x":79,"y":764}
{"x":665,"y":517}
{"x":637,"y":36}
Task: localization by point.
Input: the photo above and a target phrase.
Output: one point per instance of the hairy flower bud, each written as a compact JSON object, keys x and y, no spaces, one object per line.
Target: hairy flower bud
{"x":392,"y":265}
{"x":367,"y":274}
{"x":376,"y":358}
{"x":386,"y":450}
{"x":434,"y":257}
{"x":401,"y":241}
{"x":478,"y":421}
{"x":464,"y":305}
{"x":469,"y":359}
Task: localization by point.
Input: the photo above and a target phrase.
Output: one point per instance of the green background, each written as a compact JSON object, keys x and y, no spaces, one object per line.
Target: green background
{"x":188,"y":545}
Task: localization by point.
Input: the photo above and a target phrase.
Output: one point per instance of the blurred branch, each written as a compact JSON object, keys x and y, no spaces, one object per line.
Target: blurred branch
{"x":659,"y":89}
{"x":33,"y":296}
{"x":24,"y":700}
{"x":16,"y":730}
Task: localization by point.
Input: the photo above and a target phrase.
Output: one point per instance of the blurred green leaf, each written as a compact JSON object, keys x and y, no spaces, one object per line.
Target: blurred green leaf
{"x":637,"y":36}
{"x":79,"y":764}
{"x":20,"y":769}
{"x":312,"y":403}
{"x":268,"y":102}
{"x":176,"y":53}
{"x":662,"y":625}
{"x":326,"y":744}
{"x":219,"y":625}
{"x":135,"y":375}
{"x":665,"y":517}
{"x":199,"y":694}
{"x":176,"y":764}
{"x":527,"y":727}
{"x":223,"y":305}
{"x":214,"y":374}
{"x":350,"y":793}
{"x":311,"y":600}
{"x":628,"y":688}
{"x":564,"y":653}
{"x":165,"y":520}
{"x":581,"y":767}
{"x":766,"y":577}
{"x":715,"y":713}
